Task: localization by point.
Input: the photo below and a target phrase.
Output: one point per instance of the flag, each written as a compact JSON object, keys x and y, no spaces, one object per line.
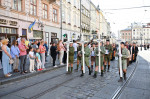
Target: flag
{"x":31,"y":25}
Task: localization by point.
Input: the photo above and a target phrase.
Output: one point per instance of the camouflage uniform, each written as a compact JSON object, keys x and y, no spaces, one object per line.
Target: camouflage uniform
{"x":71,"y":55}
{"x":108,"y":56}
{"x":102,"y":55}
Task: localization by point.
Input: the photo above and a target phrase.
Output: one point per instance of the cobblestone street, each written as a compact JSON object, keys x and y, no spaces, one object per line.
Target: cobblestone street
{"x":56,"y":84}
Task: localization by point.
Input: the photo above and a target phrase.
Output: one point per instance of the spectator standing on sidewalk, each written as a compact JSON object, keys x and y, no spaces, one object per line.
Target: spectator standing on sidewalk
{"x":61,"y":50}
{"x":15,"y":56}
{"x":38,"y":60}
{"x":32,"y":60}
{"x":53,"y":52}
{"x":5,"y":58}
{"x":75,"y":45}
{"x":65,"y":54}
{"x":42,"y":52}
{"x":134,"y":52}
{"x":46,"y":52}
{"x":23,"y":55}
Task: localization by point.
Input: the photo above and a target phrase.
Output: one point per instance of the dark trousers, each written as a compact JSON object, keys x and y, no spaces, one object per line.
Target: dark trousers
{"x":1,"y":56}
{"x":45,"y":56}
{"x":65,"y":57}
{"x":23,"y":63}
{"x":54,"y":59}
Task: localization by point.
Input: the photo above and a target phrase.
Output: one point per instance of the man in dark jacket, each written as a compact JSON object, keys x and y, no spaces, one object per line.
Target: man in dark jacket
{"x":53,"y":51}
{"x":135,"y":51}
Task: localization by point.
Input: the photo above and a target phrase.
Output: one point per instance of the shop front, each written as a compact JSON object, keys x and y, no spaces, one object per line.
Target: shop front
{"x":9,"y":33}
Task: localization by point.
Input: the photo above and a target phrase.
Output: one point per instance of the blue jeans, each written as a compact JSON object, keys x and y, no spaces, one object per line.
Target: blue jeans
{"x":75,"y":55}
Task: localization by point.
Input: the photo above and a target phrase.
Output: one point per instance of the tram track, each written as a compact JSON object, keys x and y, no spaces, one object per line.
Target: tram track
{"x":34,"y":84}
{"x":120,"y":89}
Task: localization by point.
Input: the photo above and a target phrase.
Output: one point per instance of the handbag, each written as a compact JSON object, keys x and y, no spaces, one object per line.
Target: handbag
{"x":11,"y":61}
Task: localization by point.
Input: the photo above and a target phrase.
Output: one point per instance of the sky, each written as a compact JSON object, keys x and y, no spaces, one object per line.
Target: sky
{"x":121,"y":19}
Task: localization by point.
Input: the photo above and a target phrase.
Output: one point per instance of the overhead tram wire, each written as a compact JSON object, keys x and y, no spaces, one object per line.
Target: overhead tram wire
{"x":129,"y":8}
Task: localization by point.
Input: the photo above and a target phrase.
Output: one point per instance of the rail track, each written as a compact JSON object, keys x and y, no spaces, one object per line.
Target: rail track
{"x":120,"y":89}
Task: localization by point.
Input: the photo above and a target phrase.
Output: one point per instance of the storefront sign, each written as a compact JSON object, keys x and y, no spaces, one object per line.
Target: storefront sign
{"x":13,"y":23}
{"x":3,"y":21}
{"x":54,"y":35}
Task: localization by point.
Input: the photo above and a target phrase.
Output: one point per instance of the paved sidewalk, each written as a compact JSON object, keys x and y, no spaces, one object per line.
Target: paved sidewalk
{"x":18,"y":76}
{"x":139,"y":86}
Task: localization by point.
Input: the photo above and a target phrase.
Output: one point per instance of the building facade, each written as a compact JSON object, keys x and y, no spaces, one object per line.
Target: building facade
{"x":126,"y":35}
{"x":71,"y":19}
{"x":17,"y":15}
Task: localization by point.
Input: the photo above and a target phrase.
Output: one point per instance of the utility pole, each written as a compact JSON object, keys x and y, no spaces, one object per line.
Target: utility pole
{"x":80,"y":19}
{"x":61,"y":19}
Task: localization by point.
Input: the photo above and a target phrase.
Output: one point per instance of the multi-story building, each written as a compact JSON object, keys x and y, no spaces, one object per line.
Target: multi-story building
{"x":126,"y":35}
{"x":17,"y":15}
{"x":85,"y":19}
{"x":141,"y":33}
{"x":103,"y":27}
{"x":71,"y":19}
{"x":94,"y":24}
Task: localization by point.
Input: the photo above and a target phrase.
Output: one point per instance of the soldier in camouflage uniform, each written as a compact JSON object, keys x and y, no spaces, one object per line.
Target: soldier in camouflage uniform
{"x":102,"y":49}
{"x":124,"y":55}
{"x":79,"y":55}
{"x":71,"y":57}
{"x":86,"y":59}
{"x":107,"y":57}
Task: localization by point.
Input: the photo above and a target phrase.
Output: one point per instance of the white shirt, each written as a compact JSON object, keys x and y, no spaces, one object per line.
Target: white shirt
{"x":75,"y":45}
{"x":31,"y":54}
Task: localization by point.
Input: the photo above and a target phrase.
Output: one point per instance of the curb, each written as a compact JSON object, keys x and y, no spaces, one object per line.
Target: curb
{"x":28,"y":75}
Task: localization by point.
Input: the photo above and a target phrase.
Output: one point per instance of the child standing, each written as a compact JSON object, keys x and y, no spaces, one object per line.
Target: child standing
{"x":38,"y":57}
{"x":32,"y":58}
{"x":71,"y":57}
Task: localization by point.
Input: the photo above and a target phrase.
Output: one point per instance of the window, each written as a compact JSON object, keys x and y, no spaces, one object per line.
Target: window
{"x":17,"y":5}
{"x":63,"y":15}
{"x":33,"y":7}
{"x":24,"y":32}
{"x":75,"y":19}
{"x":45,"y":10}
{"x":75,"y":3}
{"x":122,"y":33}
{"x":8,"y":30}
{"x":54,"y":15}
{"x":69,"y":16}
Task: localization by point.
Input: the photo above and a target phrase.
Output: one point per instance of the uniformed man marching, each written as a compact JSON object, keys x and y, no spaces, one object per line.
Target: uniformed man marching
{"x":86,"y":57}
{"x":102,"y":49}
{"x":124,"y":55}
{"x":79,"y":55}
{"x":107,"y":57}
{"x":71,"y":58}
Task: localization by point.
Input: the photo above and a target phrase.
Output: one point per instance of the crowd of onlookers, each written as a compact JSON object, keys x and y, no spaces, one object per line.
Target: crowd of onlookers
{"x":14,"y":56}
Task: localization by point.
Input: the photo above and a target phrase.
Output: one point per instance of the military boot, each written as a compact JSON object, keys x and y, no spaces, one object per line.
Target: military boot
{"x":89,"y":71}
{"x":124,"y":75}
{"x":82,"y":74}
{"x":95,"y":75}
{"x":120,"y":80}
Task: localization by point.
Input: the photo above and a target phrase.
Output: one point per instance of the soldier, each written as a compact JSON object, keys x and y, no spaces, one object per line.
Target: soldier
{"x":102,"y":49}
{"x":124,"y":55}
{"x":79,"y":55}
{"x":92,"y":55}
{"x":107,"y":57}
{"x":71,"y":58}
{"x":86,"y":57}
